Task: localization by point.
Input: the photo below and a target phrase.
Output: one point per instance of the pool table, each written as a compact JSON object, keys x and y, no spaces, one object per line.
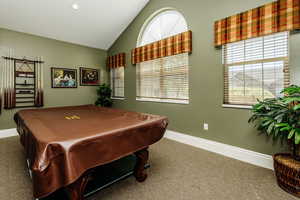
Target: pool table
{"x":64,"y":144}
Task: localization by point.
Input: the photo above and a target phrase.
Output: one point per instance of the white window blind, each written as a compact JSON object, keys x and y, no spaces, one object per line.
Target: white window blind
{"x":255,"y":69}
{"x":163,"y":79}
{"x":117,"y":82}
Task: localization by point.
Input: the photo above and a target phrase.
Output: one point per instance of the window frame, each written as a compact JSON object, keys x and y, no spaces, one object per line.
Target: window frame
{"x":112,"y":83}
{"x":140,"y":43}
{"x":162,"y":70}
{"x":284,"y":59}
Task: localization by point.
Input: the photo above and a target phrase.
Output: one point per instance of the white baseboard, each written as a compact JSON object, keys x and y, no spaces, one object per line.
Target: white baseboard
{"x":8,"y":133}
{"x":244,"y":155}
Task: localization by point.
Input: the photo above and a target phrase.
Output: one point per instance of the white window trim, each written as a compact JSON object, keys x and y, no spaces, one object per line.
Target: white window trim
{"x":111,"y":80}
{"x":149,"y":19}
{"x":173,"y":101}
{"x":284,"y":59}
{"x":118,"y":98}
{"x":237,"y":106}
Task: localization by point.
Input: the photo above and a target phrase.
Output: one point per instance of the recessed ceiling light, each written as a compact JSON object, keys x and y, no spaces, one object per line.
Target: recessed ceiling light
{"x":75,"y":6}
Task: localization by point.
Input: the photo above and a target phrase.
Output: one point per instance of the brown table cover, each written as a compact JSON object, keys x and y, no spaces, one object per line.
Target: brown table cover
{"x":61,"y":149}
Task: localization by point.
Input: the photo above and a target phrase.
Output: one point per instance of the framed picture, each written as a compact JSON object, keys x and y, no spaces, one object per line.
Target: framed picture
{"x":63,"y":78}
{"x":89,"y":77}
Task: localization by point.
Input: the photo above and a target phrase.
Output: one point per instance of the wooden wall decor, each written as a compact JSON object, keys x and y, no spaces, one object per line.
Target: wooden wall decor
{"x":22,"y":83}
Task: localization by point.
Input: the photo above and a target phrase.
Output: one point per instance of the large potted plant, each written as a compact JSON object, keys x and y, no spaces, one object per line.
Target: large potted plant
{"x":280,"y":117}
{"x":104,"y":96}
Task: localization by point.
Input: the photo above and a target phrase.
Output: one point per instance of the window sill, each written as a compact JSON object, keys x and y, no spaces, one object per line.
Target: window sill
{"x":164,"y":101}
{"x":237,"y":106}
{"x":118,"y":98}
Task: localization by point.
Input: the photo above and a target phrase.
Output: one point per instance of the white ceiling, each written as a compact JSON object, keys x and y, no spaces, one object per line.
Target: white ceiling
{"x":97,"y":23}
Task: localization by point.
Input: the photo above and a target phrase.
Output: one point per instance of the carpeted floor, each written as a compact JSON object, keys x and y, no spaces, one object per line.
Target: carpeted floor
{"x":178,"y":172}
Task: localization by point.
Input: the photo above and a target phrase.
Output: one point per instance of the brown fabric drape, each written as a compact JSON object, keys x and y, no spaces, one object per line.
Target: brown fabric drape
{"x":278,"y":16}
{"x":118,"y":60}
{"x":177,"y":44}
{"x":60,"y":150}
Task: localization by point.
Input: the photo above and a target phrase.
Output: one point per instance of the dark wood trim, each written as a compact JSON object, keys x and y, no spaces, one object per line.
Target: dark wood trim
{"x":25,"y":88}
{"x":27,"y":92}
{"x":34,"y":82}
{"x":25,"y":76}
{"x":15,"y":81}
{"x":142,"y":159}
{"x":22,"y":60}
{"x":24,"y":97}
{"x":23,"y":84}
{"x":24,"y":101}
{"x":25,"y":106}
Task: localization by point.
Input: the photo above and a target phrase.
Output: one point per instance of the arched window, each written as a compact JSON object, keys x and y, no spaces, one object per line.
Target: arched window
{"x":164,"y":79}
{"x":163,"y":25}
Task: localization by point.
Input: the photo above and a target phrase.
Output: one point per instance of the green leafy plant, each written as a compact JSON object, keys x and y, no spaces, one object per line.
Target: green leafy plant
{"x":104,"y":93}
{"x":280,"y":117}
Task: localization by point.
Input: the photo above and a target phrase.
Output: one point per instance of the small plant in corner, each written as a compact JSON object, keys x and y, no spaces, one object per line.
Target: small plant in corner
{"x":104,"y":96}
{"x":280,"y":117}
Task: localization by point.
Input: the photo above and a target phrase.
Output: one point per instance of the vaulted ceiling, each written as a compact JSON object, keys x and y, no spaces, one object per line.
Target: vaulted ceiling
{"x":93,"y":23}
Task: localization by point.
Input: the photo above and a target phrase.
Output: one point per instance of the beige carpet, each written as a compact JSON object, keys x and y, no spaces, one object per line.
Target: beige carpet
{"x":178,"y":172}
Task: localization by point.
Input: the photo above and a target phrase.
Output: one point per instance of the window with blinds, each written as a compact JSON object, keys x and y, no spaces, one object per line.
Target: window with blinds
{"x":164,"y":79}
{"x":255,"y":69}
{"x":117,"y":82}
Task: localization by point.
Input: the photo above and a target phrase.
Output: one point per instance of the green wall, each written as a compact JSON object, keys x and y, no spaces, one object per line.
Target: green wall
{"x":55,"y":54}
{"x":226,"y":125}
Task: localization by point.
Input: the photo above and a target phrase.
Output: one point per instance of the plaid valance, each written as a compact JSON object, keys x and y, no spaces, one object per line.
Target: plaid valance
{"x":177,"y":44}
{"x":278,"y":16}
{"x":118,"y":60}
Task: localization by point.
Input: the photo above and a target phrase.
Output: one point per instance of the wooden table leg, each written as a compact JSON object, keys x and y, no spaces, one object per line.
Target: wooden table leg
{"x":76,"y":190}
{"x":139,"y":170}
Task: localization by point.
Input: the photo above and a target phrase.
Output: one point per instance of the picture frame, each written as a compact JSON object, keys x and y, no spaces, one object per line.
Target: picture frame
{"x":63,"y":78}
{"x":89,"y":76}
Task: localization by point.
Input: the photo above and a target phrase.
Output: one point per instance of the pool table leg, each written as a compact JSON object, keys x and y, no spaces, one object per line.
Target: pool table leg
{"x":139,"y":170}
{"x":76,"y":190}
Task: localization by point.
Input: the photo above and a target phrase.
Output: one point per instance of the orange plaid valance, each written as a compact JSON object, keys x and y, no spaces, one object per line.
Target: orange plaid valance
{"x":118,"y":60}
{"x":278,"y":16}
{"x":177,"y":44}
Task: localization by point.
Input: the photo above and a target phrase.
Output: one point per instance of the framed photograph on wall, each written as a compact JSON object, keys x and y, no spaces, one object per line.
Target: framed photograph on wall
{"x":63,"y":78}
{"x":89,"y":77}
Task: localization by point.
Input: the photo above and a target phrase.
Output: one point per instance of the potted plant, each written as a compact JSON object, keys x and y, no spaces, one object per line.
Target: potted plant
{"x":104,"y":93}
{"x":280,"y":117}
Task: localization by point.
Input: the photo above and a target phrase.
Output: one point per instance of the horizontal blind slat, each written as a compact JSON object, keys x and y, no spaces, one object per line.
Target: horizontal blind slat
{"x":163,"y":78}
{"x":255,"y":69}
